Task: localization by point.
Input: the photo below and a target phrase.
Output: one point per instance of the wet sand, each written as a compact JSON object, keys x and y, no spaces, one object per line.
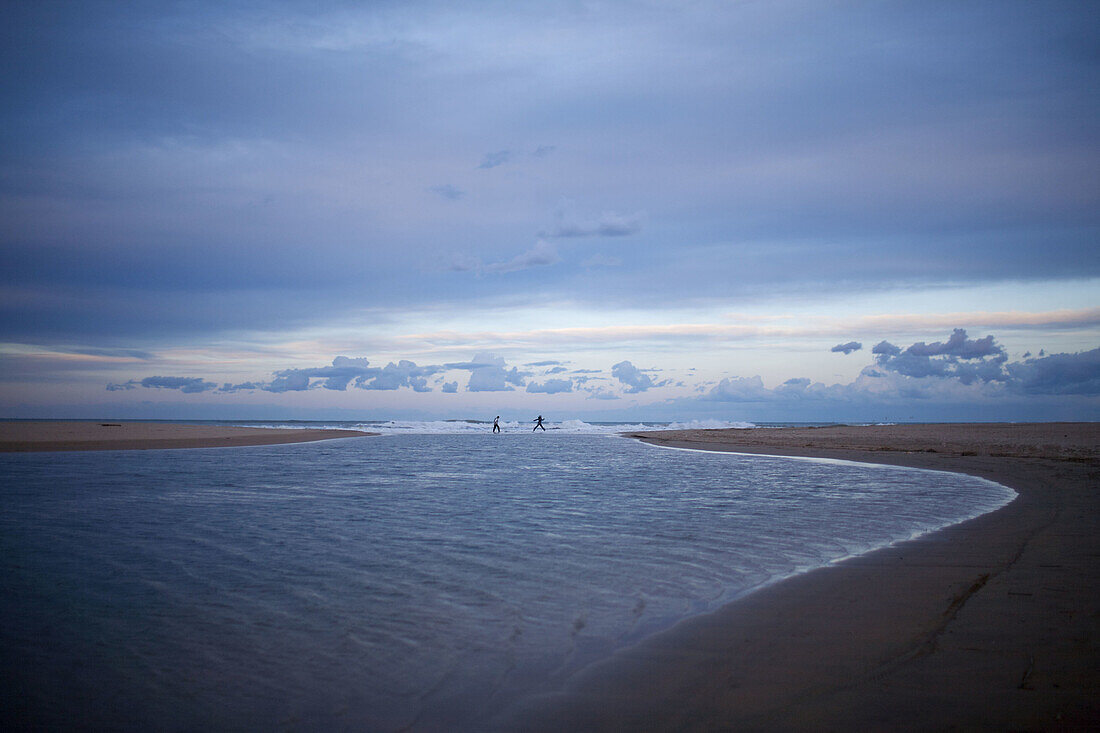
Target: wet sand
{"x":70,"y":436}
{"x":992,"y":624}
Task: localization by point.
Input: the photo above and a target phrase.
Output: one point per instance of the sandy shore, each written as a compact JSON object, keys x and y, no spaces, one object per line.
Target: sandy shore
{"x":992,"y":624}
{"x":63,"y":436}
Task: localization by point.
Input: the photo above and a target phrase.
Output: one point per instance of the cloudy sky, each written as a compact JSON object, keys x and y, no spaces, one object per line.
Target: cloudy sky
{"x":682,"y":210}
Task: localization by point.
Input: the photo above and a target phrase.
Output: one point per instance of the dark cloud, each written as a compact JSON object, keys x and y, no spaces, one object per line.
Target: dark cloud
{"x":492,"y":160}
{"x":190,"y":173}
{"x":968,"y":360}
{"x":449,"y":387}
{"x":847,"y":348}
{"x":187,"y":385}
{"x":958,"y":345}
{"x":242,"y":387}
{"x":958,"y":370}
{"x":117,"y":118}
{"x":795,"y":386}
{"x":1058,"y":374}
{"x":887,"y":348}
{"x":547,"y":362}
{"x":447,"y":191}
{"x":290,"y":380}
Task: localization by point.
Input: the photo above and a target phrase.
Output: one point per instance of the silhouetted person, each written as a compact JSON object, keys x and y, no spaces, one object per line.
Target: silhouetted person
{"x":496,"y":424}
{"x":538,"y":424}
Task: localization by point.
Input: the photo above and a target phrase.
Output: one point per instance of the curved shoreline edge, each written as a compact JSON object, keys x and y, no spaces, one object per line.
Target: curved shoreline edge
{"x":41,"y":436}
{"x":1014,"y":495}
{"x":988,"y":624}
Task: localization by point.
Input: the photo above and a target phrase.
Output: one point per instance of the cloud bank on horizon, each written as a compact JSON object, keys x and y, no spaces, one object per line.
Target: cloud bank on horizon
{"x":959,"y":370}
{"x":661,"y":197}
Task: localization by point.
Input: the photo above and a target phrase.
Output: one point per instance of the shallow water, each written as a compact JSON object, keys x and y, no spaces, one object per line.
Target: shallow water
{"x":370,"y":584}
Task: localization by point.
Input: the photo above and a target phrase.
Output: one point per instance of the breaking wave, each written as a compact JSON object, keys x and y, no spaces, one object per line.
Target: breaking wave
{"x":458,"y":427}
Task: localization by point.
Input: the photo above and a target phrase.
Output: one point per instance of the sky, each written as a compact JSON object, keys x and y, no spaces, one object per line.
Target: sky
{"x":731,"y":211}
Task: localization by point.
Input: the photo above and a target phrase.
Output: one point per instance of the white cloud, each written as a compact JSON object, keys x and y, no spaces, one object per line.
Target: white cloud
{"x":551,"y":386}
{"x":488,"y":374}
{"x":601,"y":393}
{"x":739,"y":389}
{"x":634,"y":378}
{"x":956,"y":371}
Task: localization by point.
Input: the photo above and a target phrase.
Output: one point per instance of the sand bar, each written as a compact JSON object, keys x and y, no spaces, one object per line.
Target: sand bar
{"x":18,"y":436}
{"x":992,"y":624}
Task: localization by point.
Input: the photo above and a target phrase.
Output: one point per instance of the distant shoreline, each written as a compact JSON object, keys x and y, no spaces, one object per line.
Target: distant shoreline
{"x":990,"y":624}
{"x":38,"y":436}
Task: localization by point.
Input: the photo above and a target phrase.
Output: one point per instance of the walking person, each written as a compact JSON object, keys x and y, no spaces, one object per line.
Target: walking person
{"x":496,"y":424}
{"x":538,"y":424}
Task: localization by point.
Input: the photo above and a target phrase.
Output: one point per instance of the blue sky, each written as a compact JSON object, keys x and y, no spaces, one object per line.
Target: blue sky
{"x":584,"y":209}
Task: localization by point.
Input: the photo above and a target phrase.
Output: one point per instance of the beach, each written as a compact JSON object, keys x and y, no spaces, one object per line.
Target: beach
{"x":991,"y":624}
{"x":20,"y":436}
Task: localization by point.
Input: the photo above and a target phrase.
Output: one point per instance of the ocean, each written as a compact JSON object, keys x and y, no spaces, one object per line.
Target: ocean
{"x":428,"y":578}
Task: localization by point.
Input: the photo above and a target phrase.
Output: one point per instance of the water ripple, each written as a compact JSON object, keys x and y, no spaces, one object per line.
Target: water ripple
{"x":368,"y":584}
